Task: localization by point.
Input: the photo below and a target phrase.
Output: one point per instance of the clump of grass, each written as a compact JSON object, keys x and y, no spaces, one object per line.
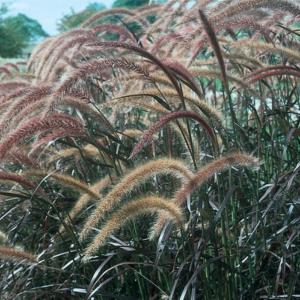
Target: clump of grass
{"x":142,"y":118}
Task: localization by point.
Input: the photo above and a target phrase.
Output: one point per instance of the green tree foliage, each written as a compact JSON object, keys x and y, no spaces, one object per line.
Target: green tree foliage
{"x":73,"y":19}
{"x":16,"y":32}
{"x":3,"y":10}
{"x":131,"y":4}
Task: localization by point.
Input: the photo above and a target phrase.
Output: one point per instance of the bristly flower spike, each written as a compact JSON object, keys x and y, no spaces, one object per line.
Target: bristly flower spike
{"x":131,"y":211}
{"x":215,"y":45}
{"x":171,"y":117}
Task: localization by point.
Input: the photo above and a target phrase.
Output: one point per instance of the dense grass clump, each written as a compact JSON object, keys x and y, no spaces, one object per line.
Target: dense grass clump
{"x":154,"y":154}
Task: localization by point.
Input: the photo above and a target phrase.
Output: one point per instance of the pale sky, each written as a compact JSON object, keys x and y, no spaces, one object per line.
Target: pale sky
{"x":48,"y":12}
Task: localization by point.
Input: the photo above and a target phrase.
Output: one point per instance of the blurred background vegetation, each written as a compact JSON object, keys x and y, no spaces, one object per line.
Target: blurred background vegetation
{"x":17,"y":32}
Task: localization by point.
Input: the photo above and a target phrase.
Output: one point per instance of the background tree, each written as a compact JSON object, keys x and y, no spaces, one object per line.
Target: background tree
{"x":16,"y":32}
{"x":131,"y":4}
{"x":73,"y":19}
{"x":3,"y":10}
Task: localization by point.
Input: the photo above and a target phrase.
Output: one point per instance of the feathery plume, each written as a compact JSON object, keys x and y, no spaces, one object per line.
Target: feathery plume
{"x":273,"y":73}
{"x":18,"y":179}
{"x":18,"y":106}
{"x":101,"y":14}
{"x":21,"y":63}
{"x":27,"y":113}
{"x":11,"y":65}
{"x":39,"y":124}
{"x":58,"y":134}
{"x":6,"y":87}
{"x":86,"y":198}
{"x":86,"y":108}
{"x":165,"y":8}
{"x":78,"y":41}
{"x":270,"y":68}
{"x":231,"y":23}
{"x":215,"y":45}
{"x":90,"y":69}
{"x":208,"y":110}
{"x":56,"y":43}
{"x":18,"y":93}
{"x":134,"y":133}
{"x":17,"y":254}
{"x":21,"y":157}
{"x":131,"y":211}
{"x":115,"y":28}
{"x":243,"y":6}
{"x":34,"y":57}
{"x":5,"y":70}
{"x":88,"y":150}
{"x":144,"y":53}
{"x":133,"y":179}
{"x":138,"y":102}
{"x":75,"y":184}
{"x":186,"y":75}
{"x":170,"y":117}
{"x":162,"y":40}
{"x":223,"y":163}
{"x":114,"y":11}
{"x":271,"y":48}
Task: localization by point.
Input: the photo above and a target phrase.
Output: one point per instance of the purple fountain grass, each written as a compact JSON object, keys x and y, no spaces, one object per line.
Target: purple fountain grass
{"x":18,"y":179}
{"x":31,"y":97}
{"x":143,"y":53}
{"x":267,"y":74}
{"x":57,"y":42}
{"x":270,"y":68}
{"x":132,"y":180}
{"x":5,"y":70}
{"x":57,"y":135}
{"x":35,"y":55}
{"x":266,"y":47}
{"x":231,"y":23}
{"x":86,"y":198}
{"x":20,"y":157}
{"x":39,"y":124}
{"x":91,"y":68}
{"x":167,"y":7}
{"x":18,"y":93}
{"x":179,"y":69}
{"x":131,"y":211}
{"x":64,"y":180}
{"x":113,"y":11}
{"x":85,"y":107}
{"x":171,"y":117}
{"x":30,"y":111}
{"x":93,"y":53}
{"x":114,"y":28}
{"x":197,"y":49}
{"x":142,"y":14}
{"x":176,"y":12}
{"x":21,"y":63}
{"x":162,"y":40}
{"x":223,"y":163}
{"x":215,"y":46}
{"x":11,"y":65}
{"x":6,"y":87}
{"x":243,"y":22}
{"x":245,"y":5}
{"x":76,"y":41}
{"x":174,"y":41}
{"x":17,"y":254}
